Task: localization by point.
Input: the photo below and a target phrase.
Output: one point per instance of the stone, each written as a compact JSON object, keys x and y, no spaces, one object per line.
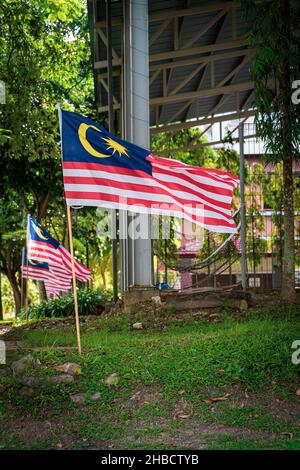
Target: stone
{"x":61,"y":379}
{"x":24,"y":363}
{"x":29,"y":381}
{"x":156,"y":299}
{"x":243,"y":306}
{"x":26,"y":392}
{"x":71,"y":368}
{"x":96,"y":396}
{"x":112,"y":380}
{"x":137,"y":326}
{"x":5,"y":372}
{"x":78,"y":397}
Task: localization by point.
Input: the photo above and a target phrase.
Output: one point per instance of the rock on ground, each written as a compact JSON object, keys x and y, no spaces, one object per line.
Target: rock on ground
{"x":29,"y":381}
{"x":112,"y":380}
{"x":26,"y":392}
{"x":96,"y":396}
{"x":24,"y":363}
{"x":71,"y":368}
{"x":78,"y":397}
{"x":61,"y":379}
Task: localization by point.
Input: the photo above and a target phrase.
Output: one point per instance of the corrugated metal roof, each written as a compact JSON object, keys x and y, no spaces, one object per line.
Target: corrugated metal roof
{"x":228,"y":28}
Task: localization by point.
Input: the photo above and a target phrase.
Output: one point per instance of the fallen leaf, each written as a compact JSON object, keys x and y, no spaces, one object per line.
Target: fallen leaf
{"x":181,"y":392}
{"x":183,"y":416}
{"x":298,"y":392}
{"x":211,"y":400}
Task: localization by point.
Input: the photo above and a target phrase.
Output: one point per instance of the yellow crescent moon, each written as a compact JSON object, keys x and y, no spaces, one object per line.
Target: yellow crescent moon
{"x":32,"y":262}
{"x":82,"y":130}
{"x":40,"y":233}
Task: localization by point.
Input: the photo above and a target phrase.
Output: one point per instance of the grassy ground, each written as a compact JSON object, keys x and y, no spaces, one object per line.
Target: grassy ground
{"x":168,"y":378}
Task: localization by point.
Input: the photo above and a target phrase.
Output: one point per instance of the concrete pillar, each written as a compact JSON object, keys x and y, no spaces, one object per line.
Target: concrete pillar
{"x":136,"y":128}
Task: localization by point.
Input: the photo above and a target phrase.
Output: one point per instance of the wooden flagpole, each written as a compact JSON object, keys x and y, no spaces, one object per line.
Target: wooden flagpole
{"x":71,"y":248}
{"x":26,"y":280}
{"x":74,"y":279}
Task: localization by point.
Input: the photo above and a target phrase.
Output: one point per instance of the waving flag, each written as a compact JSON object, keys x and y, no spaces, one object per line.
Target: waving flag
{"x":102,"y":170}
{"x":40,"y":271}
{"x":43,"y":247}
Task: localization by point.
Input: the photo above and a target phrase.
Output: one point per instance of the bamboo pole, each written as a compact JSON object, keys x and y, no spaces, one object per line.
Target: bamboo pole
{"x":26,"y":279}
{"x":74,"y":279}
{"x":71,"y":249}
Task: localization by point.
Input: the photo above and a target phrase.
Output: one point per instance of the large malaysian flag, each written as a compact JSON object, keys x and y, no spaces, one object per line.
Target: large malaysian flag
{"x":102,"y":170}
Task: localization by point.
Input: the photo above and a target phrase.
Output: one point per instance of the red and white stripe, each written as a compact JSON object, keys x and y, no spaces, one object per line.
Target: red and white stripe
{"x":52,"y":290}
{"x":58,"y":259}
{"x":40,"y":274}
{"x":197,"y":194}
{"x":50,"y":281}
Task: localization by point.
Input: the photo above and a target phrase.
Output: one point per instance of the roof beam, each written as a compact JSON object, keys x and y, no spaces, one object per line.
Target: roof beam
{"x":220,"y":46}
{"x":194,"y":147}
{"x":164,"y":14}
{"x":187,"y":79}
{"x":101,"y":64}
{"x":105,"y":86}
{"x":191,"y":95}
{"x":154,"y":36}
{"x":204,"y":30}
{"x":104,"y":39}
{"x":198,"y":60}
{"x":210,"y":54}
{"x":154,"y":76}
{"x":201,"y":122}
{"x":234,"y":71}
{"x":177,"y":31}
{"x":223,"y":90}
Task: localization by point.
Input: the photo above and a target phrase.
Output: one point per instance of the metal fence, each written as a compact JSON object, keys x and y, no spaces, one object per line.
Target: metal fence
{"x":265,"y":235}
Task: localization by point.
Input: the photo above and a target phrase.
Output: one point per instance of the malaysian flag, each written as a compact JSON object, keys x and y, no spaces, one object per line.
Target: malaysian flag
{"x":51,"y":290}
{"x":102,"y":170}
{"x":43,"y":247}
{"x":40,"y":271}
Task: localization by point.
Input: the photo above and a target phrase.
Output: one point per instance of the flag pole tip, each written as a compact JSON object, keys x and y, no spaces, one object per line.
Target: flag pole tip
{"x":58,"y":106}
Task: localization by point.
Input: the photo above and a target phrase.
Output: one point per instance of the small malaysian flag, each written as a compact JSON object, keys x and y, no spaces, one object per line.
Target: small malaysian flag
{"x":40,"y":271}
{"x":43,"y":247}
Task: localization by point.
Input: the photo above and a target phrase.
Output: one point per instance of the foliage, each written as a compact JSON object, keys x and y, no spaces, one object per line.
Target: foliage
{"x":277,"y":57}
{"x":89,"y":303}
{"x":202,"y":156}
{"x":44,"y":59}
{"x":274,"y":37}
{"x":257,"y":247}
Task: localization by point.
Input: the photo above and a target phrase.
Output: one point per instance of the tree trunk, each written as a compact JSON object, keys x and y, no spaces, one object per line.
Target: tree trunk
{"x":1,"y":309}
{"x":288,"y":272}
{"x":288,"y":269}
{"x":103,"y":280}
{"x":16,"y":291}
{"x":42,"y":290}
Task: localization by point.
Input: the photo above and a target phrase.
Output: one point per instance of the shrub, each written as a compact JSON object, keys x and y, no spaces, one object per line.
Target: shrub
{"x":89,"y":303}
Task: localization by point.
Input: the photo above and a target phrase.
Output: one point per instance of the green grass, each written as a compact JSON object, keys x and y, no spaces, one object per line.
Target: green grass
{"x":251,"y":352}
{"x":186,"y":362}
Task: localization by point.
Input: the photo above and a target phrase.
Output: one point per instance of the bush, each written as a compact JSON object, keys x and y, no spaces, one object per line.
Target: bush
{"x":89,"y":303}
